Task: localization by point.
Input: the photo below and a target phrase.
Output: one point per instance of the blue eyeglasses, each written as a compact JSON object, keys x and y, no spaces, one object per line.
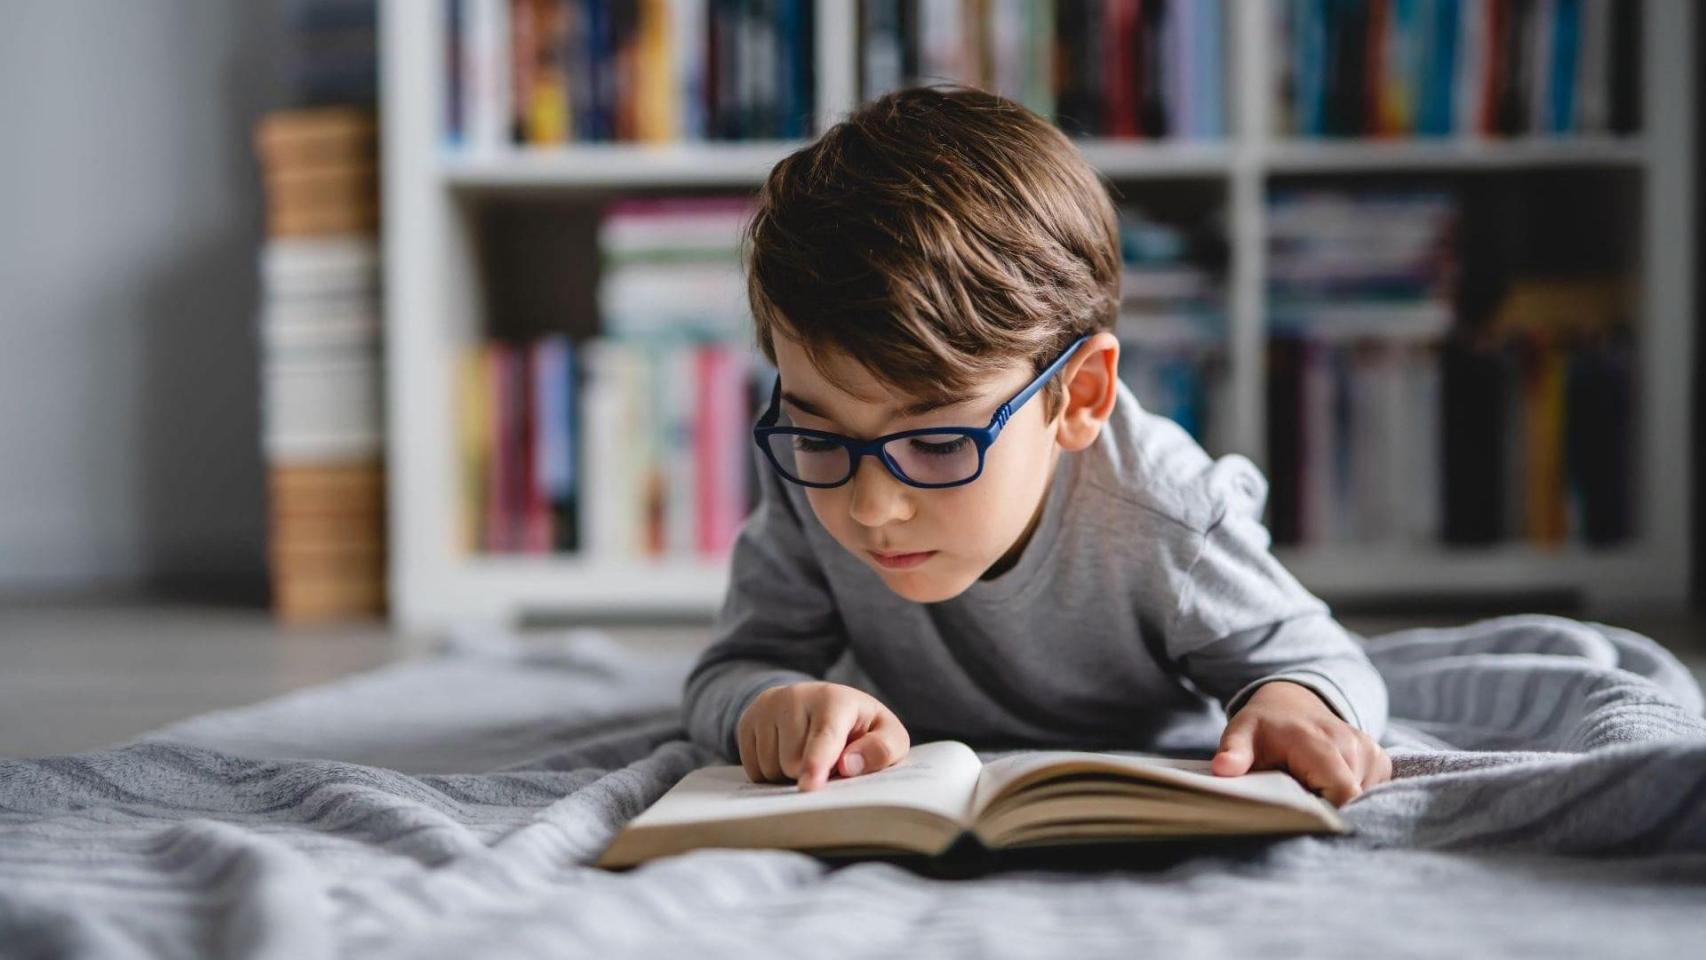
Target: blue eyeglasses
{"x":931,"y":458}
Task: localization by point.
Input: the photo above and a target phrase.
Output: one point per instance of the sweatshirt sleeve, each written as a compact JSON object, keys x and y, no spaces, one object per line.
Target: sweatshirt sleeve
{"x":778,"y":623}
{"x":1243,"y":620}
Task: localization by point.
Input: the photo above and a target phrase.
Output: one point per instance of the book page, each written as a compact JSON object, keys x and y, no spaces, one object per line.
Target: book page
{"x":1017,"y":771}
{"x":939,"y":777}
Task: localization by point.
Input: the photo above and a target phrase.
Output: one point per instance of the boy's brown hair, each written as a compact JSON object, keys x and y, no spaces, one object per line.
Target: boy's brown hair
{"x":936,"y":236}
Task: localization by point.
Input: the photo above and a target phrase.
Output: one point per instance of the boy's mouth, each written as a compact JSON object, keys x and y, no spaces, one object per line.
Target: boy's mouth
{"x":900,"y":561}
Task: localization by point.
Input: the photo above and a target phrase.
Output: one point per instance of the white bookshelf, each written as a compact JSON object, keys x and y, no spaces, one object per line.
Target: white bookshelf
{"x":433,"y":312}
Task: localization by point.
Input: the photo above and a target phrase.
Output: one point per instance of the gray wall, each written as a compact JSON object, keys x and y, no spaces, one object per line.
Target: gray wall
{"x":130,"y":212}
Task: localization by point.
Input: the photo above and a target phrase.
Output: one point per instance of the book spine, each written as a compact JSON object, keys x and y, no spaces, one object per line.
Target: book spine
{"x":552,"y":460}
{"x":705,"y":446}
{"x":523,"y":64}
{"x":1566,"y":51}
{"x":600,"y":444}
{"x":474,"y":433}
{"x":548,"y":117}
{"x":498,"y":464}
{"x":455,"y":78}
{"x":1593,"y":72}
{"x":1541,"y":43}
{"x":1626,"y":64}
{"x":486,"y":62}
{"x":1040,"y":58}
{"x":681,"y":537}
{"x":1211,"y":70}
{"x":1118,"y":76}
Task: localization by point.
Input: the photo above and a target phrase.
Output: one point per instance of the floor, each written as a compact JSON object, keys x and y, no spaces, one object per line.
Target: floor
{"x":80,"y":674}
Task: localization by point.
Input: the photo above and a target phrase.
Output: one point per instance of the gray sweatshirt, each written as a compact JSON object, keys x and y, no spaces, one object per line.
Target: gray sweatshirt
{"x":1145,"y":609}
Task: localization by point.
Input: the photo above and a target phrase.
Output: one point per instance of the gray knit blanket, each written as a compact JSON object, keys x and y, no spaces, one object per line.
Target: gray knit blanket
{"x":1550,"y":801}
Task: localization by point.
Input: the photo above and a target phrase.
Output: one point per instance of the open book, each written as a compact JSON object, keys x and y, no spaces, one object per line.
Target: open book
{"x":941,"y":795}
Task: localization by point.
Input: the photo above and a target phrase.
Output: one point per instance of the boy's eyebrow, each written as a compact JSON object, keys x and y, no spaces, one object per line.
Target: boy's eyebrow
{"x":911,"y":410}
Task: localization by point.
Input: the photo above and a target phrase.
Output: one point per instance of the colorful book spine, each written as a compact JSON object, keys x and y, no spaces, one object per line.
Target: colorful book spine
{"x":486,"y":73}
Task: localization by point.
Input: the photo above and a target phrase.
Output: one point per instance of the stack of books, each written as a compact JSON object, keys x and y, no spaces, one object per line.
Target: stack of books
{"x":633,"y":445}
{"x":320,"y":321}
{"x":1360,"y":299}
{"x":545,"y":72}
{"x":1172,"y":321}
{"x":1099,"y":68}
{"x":1439,"y":68}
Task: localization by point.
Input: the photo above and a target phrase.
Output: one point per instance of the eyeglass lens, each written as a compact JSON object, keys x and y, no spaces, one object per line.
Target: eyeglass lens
{"x":926,"y":458}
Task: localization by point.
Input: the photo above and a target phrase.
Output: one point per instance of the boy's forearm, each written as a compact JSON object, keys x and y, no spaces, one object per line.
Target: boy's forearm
{"x":1313,"y":651}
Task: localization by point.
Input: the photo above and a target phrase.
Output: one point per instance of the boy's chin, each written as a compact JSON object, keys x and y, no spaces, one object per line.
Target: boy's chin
{"x":925,"y":587}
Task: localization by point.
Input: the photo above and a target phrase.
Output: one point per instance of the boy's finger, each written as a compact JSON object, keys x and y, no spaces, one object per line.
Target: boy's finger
{"x":1323,"y":768}
{"x":884,"y":743}
{"x":1379,"y":768}
{"x":1237,"y":750}
{"x":749,"y":754}
{"x":791,"y":727}
{"x":768,"y":761}
{"x":828,"y":735}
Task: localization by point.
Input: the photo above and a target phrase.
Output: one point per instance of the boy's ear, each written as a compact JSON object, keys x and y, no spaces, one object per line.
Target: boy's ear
{"x":1091,"y":379}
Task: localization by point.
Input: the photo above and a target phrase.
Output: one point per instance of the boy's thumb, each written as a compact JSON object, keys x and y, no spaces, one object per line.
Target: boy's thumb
{"x":1235,"y":755}
{"x":879,"y":748}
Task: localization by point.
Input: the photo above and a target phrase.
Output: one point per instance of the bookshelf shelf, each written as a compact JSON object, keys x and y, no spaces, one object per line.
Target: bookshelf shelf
{"x":1323,"y":156}
{"x":434,"y":311}
{"x":618,"y":166}
{"x":1353,"y":571}
{"x":746,"y":164}
{"x":495,"y":586}
{"x":1134,"y":159}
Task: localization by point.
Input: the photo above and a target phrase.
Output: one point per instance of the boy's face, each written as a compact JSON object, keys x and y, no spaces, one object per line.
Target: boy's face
{"x":926,"y":545}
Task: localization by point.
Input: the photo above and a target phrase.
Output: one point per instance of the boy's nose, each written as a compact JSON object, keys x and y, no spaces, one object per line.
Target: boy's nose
{"x":878,"y":498}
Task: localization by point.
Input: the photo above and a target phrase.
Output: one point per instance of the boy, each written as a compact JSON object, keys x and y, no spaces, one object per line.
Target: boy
{"x":962,"y":498}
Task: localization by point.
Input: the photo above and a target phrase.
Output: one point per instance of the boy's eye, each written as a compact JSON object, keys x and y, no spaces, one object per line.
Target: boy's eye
{"x":938,"y":448}
{"x":813,"y":444}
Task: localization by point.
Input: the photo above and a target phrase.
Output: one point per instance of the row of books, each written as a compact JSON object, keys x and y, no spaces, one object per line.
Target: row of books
{"x":614,"y":449}
{"x":543,"y":72}
{"x":1102,"y":68}
{"x":1539,"y":442}
{"x":321,"y":386}
{"x":628,"y":450}
{"x":1353,"y":440}
{"x":1544,"y":399}
{"x":1436,"y":68}
{"x":1519,"y":432}
{"x":1385,"y":442}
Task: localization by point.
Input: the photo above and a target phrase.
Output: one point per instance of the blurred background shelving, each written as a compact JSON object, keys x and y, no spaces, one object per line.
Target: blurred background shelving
{"x":488,"y":240}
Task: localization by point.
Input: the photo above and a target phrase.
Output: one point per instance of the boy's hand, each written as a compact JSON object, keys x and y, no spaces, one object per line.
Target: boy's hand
{"x":804,"y":731}
{"x":1286,"y":726}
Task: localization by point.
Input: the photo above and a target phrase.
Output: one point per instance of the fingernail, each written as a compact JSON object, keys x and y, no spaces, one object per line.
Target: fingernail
{"x":854,"y":764}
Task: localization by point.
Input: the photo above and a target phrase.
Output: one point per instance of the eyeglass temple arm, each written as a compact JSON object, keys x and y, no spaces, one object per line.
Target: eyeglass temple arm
{"x":1005,"y":412}
{"x":775,"y":408}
